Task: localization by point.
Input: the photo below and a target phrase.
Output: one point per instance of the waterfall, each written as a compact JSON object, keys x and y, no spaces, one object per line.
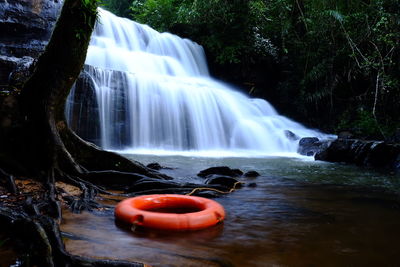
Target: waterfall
{"x":154,"y":93}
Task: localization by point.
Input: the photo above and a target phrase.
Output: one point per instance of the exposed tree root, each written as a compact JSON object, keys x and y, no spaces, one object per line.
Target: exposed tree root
{"x":41,"y":236}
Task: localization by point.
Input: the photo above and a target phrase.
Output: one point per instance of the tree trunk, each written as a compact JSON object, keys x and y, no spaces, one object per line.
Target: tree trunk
{"x":43,"y":96}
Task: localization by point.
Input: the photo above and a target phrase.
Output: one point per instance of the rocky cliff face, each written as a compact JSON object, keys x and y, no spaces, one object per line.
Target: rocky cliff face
{"x":25,"y":27}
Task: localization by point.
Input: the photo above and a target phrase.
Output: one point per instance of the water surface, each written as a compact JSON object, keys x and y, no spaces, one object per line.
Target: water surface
{"x":301,"y":213}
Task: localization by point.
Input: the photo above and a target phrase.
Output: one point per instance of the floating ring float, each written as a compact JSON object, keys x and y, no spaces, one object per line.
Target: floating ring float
{"x":170,"y":212}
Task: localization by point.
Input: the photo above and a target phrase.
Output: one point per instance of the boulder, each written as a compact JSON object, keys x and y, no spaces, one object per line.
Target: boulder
{"x":222,"y":170}
{"x":252,"y":185}
{"x":309,"y":146}
{"x":291,"y":136}
{"x":225,"y":181}
{"x":156,"y":166}
{"x":374,"y":154}
{"x":252,"y":174}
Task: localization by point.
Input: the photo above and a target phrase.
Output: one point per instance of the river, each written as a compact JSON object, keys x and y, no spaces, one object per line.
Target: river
{"x":300,"y":213}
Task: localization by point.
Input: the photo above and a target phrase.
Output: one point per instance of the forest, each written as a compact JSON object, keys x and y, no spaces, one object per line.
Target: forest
{"x":333,"y":65}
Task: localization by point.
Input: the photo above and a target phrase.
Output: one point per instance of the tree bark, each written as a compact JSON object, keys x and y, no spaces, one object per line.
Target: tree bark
{"x":43,"y":96}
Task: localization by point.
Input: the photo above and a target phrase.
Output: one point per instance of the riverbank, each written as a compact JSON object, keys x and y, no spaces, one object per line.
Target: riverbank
{"x":378,"y":155}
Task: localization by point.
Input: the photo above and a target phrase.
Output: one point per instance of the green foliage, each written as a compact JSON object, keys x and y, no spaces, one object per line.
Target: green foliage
{"x":362,"y":124}
{"x":160,"y":14}
{"x":119,"y":7}
{"x":228,"y":29}
{"x":90,"y":15}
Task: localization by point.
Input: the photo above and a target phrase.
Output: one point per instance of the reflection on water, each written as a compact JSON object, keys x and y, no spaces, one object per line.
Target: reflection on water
{"x":302,"y":213}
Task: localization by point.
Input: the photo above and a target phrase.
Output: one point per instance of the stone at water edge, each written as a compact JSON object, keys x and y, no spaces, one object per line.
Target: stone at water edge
{"x":251,"y":174}
{"x":226,"y":181}
{"x":221,"y":170}
{"x":309,"y":146}
{"x":156,"y":166}
{"x":375,"y":154}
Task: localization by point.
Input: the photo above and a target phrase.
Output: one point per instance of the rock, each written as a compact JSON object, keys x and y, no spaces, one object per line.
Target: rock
{"x":375,"y":154}
{"x":306,"y":141}
{"x":252,"y":185}
{"x":251,"y":174}
{"x":226,"y":181}
{"x":156,"y":166}
{"x":22,"y":71}
{"x":222,"y":170}
{"x":309,"y":146}
{"x":291,"y":136}
{"x":237,"y":172}
{"x":25,"y":27}
{"x":83,"y":110}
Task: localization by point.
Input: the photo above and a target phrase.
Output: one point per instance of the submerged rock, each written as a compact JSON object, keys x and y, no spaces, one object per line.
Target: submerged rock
{"x":252,"y":185}
{"x":309,"y":146}
{"x":156,"y":166}
{"x":221,"y":170}
{"x":251,"y":174}
{"x":375,"y":154}
{"x":225,"y":181}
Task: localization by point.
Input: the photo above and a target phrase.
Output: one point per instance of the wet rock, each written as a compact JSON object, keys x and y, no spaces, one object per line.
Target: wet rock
{"x":207,"y":194}
{"x":225,"y":181}
{"x":222,"y":170}
{"x":252,"y":185}
{"x":309,"y":146}
{"x":22,"y":71}
{"x":251,"y":174}
{"x":375,"y":154}
{"x":83,"y":109}
{"x":156,"y":166}
{"x":25,"y":27}
{"x":291,"y":136}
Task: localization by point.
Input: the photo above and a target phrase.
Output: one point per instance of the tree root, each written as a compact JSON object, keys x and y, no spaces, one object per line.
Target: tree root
{"x":42,"y":239}
{"x":215,"y":190}
{"x":95,"y":159}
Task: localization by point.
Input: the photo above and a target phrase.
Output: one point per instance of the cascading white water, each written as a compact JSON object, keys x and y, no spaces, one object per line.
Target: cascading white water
{"x":154,"y":92}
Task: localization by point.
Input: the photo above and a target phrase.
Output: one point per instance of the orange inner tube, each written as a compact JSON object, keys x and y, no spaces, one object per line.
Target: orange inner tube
{"x":170,"y":212}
